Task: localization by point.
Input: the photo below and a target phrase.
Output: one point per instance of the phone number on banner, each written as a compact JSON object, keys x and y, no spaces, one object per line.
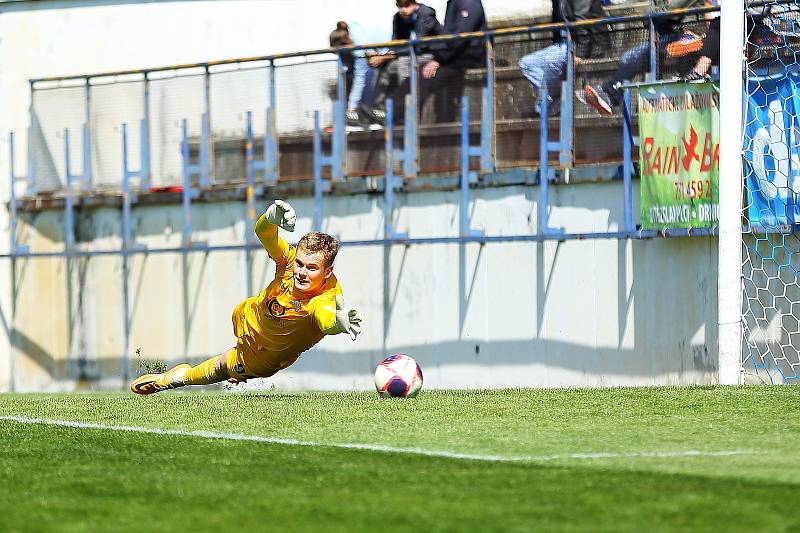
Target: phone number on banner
{"x":693,"y":189}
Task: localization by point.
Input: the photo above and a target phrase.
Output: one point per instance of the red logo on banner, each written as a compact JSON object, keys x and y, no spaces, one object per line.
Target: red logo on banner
{"x":668,"y":160}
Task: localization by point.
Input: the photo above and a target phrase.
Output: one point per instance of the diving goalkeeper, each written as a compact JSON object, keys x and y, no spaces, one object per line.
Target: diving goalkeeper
{"x":301,"y":305}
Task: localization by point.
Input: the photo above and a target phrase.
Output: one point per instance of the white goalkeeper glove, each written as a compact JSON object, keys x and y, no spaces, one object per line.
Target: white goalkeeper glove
{"x":348,"y":319}
{"x":281,"y":214}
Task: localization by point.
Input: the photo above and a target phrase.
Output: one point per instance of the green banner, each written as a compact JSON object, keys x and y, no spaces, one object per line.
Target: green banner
{"x":679,"y":155}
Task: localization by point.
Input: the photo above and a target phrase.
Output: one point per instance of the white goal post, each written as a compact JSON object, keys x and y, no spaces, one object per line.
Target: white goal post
{"x":729,"y":284}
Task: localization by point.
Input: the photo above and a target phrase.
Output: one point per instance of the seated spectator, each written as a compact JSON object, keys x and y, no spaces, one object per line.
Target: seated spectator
{"x":412,"y":21}
{"x":766,"y":26}
{"x":451,"y":61}
{"x":338,"y":38}
{"x":358,"y":74}
{"x":635,"y":61}
{"x":709,"y":53}
{"x":544,"y":68}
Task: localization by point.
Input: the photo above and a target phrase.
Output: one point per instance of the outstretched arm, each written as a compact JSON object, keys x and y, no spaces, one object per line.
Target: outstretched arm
{"x":342,"y":319}
{"x":281,"y":214}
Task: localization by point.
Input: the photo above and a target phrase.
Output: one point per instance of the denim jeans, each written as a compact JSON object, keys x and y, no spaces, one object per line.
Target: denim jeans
{"x":544,"y":69}
{"x":635,"y":60}
{"x":360,"y":69}
{"x":392,"y":81}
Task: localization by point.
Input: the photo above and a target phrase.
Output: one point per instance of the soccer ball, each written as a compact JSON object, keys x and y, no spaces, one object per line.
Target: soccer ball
{"x":398,"y":376}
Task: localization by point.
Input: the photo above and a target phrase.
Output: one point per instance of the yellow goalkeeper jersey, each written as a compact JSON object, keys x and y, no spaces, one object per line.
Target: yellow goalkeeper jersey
{"x":274,"y":327}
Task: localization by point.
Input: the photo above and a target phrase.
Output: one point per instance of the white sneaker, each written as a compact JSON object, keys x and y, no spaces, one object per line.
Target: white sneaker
{"x":353,"y":121}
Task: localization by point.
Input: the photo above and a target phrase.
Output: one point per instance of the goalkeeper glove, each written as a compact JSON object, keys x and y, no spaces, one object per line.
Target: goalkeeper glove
{"x":281,"y":214}
{"x":348,"y":319}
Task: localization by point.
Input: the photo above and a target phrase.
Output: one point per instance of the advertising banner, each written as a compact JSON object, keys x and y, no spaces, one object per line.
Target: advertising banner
{"x":679,"y":155}
{"x":772,"y":154}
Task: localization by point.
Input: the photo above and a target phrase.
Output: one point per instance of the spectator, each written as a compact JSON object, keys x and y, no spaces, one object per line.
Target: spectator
{"x":412,"y":21}
{"x":544,"y":68}
{"x":341,"y":37}
{"x":709,"y":54}
{"x":359,"y":73}
{"x":675,"y":42}
{"x":452,"y":60}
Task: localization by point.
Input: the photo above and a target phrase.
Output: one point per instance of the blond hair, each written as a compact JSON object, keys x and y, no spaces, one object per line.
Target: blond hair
{"x":322,"y":243}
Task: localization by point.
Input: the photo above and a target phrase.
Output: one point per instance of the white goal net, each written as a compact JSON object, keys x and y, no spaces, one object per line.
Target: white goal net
{"x":771,"y":214}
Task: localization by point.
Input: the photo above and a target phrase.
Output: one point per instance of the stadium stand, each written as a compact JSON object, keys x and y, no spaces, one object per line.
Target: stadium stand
{"x":217,"y":96}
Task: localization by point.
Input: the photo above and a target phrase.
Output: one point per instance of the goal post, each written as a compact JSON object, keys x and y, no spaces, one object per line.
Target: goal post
{"x":729,"y":283}
{"x":770,"y":187}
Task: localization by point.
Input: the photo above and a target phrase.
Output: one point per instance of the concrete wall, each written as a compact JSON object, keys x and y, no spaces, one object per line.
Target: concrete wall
{"x":48,"y":38}
{"x":576,"y":313}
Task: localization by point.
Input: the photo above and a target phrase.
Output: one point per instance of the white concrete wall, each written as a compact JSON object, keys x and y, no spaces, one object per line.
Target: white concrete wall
{"x":577,"y":313}
{"x":48,"y":38}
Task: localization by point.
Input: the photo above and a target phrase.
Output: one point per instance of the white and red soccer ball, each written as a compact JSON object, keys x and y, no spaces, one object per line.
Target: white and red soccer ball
{"x":398,"y":376}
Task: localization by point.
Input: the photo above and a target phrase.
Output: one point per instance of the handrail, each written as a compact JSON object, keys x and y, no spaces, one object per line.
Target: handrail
{"x":513,"y":30}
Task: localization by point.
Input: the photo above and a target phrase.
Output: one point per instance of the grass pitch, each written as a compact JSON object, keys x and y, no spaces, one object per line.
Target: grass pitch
{"x":708,"y":458}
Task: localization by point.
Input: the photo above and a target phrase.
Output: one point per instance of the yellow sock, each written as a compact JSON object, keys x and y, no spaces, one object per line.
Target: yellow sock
{"x":207,"y":372}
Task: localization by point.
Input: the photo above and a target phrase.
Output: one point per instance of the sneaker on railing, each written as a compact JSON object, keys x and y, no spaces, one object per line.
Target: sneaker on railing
{"x":353,"y":121}
{"x":598,"y":99}
{"x":688,"y":43}
{"x":376,"y":118}
{"x":696,"y":77}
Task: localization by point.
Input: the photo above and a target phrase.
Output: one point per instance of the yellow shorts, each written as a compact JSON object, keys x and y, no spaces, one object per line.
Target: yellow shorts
{"x":249,"y":359}
{"x":241,"y":367}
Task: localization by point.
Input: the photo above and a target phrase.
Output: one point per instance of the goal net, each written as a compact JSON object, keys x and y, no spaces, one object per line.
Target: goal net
{"x":771,"y":212}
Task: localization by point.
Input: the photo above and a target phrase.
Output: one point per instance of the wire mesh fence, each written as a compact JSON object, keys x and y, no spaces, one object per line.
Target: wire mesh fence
{"x":303,"y":86}
{"x":111,"y":105}
{"x":235,"y":91}
{"x":600,"y":79}
{"x":771,"y":244}
{"x":368,"y":89}
{"x":516,"y":111}
{"x":54,"y":110}
{"x":440,"y":97}
{"x":181,"y":96}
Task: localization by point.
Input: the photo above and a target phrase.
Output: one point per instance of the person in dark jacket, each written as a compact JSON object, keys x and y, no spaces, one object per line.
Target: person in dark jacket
{"x":445,"y":73}
{"x":544,"y":68}
{"x":412,"y":21}
{"x":675,"y":43}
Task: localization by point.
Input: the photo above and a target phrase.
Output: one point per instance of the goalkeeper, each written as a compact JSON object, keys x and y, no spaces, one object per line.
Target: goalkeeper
{"x":301,"y":305}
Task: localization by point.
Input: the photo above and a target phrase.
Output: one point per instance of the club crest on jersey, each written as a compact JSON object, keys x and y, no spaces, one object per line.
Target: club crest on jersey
{"x":297,"y":306}
{"x":275,"y":308}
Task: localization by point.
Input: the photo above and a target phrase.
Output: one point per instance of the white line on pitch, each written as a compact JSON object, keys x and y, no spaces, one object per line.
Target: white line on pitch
{"x":371,"y":447}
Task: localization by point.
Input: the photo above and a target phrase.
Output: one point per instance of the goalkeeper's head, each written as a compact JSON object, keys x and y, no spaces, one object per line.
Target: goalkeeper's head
{"x":313,"y":262}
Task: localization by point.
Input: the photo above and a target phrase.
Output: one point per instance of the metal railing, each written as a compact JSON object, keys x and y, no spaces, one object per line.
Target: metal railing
{"x":184,"y":128}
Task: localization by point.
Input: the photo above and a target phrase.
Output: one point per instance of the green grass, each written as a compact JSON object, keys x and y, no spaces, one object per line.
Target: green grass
{"x":73,"y":479}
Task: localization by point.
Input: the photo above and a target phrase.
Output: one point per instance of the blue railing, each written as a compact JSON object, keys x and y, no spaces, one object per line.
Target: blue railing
{"x":330,"y":167}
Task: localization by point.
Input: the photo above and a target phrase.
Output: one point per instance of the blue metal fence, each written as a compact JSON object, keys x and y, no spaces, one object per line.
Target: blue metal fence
{"x":197,"y":151}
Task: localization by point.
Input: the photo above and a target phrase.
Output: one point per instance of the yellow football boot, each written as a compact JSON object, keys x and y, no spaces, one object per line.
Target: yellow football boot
{"x":151,"y":383}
